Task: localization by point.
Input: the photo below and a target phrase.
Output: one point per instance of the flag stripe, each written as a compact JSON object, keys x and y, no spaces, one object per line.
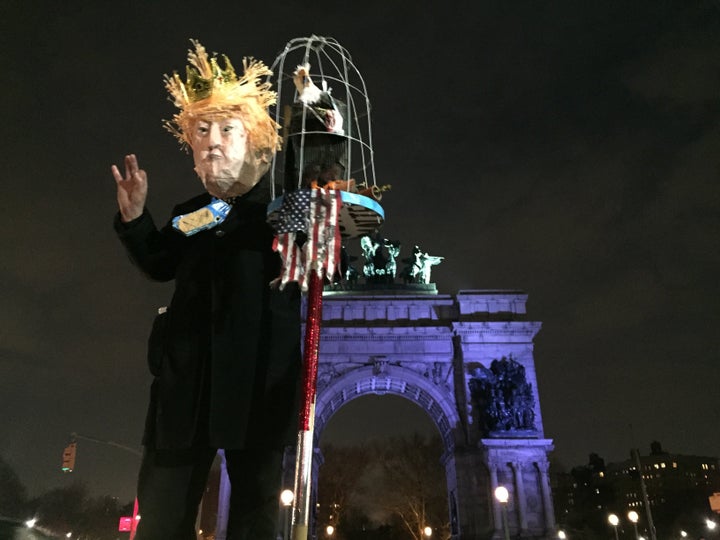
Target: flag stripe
{"x":315,"y":212}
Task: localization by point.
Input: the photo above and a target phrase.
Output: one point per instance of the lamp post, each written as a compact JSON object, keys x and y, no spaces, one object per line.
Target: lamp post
{"x":286,"y":498}
{"x":710,"y":524}
{"x":329,"y":530}
{"x":562,"y":535}
{"x":502,"y":495}
{"x":614,"y":520}
{"x":633,"y":517}
{"x":427,"y":531}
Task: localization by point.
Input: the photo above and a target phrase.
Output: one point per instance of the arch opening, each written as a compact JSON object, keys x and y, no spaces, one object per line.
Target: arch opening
{"x":382,"y":451}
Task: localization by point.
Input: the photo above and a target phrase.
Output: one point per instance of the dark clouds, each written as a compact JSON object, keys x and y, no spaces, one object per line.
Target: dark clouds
{"x":567,"y":150}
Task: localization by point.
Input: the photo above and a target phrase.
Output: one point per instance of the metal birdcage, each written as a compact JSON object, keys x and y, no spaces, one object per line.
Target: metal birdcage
{"x":324,"y":110}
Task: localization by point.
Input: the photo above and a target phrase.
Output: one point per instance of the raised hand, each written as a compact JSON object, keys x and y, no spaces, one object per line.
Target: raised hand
{"x":131,"y":189}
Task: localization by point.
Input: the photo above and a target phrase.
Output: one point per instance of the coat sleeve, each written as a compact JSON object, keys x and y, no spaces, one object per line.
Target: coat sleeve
{"x":154,"y":252}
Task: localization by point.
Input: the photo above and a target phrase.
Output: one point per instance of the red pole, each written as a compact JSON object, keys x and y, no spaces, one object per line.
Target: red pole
{"x":304,"y":449}
{"x":135,"y":519}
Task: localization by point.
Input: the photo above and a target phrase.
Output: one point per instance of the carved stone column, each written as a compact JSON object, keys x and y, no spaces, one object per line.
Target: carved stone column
{"x":497,"y":511}
{"x":549,"y":511}
{"x":520,"y":495}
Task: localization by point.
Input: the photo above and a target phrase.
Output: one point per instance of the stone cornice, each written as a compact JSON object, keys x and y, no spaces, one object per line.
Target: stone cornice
{"x":465,"y":305}
{"x":515,"y":443}
{"x":473,"y":302}
{"x":384,"y":332}
{"x":481,"y":332}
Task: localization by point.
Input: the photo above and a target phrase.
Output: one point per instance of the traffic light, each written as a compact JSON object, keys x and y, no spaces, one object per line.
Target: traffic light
{"x":68,"y":458}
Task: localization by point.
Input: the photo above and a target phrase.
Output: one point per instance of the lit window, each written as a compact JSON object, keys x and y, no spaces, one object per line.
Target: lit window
{"x":662,"y":465}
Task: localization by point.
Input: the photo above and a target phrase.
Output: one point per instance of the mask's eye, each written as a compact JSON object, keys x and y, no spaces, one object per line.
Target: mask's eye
{"x":233,"y":126}
{"x":202,"y":129}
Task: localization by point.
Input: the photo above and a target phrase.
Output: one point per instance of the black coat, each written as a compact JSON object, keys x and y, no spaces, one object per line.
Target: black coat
{"x":226,"y":354}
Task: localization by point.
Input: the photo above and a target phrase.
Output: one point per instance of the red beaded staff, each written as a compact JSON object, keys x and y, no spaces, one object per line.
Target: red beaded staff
{"x":327,"y":175}
{"x":329,"y":212}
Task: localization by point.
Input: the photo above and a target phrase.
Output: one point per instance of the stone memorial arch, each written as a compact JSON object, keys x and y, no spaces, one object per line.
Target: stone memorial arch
{"x":467,"y":360}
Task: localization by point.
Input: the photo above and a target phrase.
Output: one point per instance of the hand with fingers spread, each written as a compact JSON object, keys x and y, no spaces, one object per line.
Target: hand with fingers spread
{"x":131,"y":189}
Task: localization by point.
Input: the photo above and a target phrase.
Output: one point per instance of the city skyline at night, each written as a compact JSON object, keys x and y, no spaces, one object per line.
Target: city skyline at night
{"x":563,"y":150}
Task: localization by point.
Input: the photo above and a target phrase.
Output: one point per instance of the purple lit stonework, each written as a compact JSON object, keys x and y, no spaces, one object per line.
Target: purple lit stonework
{"x":467,"y":360}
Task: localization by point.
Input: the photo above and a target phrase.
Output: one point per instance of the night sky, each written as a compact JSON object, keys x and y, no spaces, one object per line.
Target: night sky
{"x":569,"y":151}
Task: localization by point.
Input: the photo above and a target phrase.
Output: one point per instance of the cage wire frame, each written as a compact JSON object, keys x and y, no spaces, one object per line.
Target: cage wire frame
{"x":332,"y":69}
{"x":329,"y":63}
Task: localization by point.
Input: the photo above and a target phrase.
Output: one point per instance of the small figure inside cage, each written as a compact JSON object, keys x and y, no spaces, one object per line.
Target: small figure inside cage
{"x":315,"y":140}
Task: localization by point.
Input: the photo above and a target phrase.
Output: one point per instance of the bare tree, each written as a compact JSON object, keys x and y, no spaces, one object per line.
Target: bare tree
{"x":339,"y":481}
{"x":396,"y":484}
{"x":414,"y":485}
{"x":13,"y":494}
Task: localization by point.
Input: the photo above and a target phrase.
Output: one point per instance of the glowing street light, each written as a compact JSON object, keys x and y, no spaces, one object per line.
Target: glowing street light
{"x":30,"y":523}
{"x":710,"y":524}
{"x":329,"y":530}
{"x":502,"y":495}
{"x":614,"y":520}
{"x":683,"y":534}
{"x":286,"y":499}
{"x":633,"y":517}
{"x":562,"y":535}
{"x":427,"y":531}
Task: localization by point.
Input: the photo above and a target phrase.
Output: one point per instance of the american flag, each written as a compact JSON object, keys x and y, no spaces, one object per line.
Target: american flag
{"x":315,"y":213}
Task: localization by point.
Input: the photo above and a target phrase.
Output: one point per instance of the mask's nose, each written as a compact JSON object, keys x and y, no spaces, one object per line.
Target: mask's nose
{"x":214,"y":137}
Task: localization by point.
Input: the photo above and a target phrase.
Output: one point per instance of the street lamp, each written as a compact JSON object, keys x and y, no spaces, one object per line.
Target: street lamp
{"x":502,"y":495}
{"x":710,"y":524}
{"x":633,"y":517}
{"x":614,"y":520}
{"x":683,"y":534}
{"x":329,"y":530}
{"x":427,"y":531}
{"x":562,"y":535}
{"x":286,"y":499}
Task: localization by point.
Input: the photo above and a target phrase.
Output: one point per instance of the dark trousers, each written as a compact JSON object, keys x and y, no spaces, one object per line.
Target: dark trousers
{"x":172,"y":482}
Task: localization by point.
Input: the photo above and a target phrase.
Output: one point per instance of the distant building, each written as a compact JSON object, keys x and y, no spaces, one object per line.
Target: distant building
{"x":672,"y":480}
{"x":678,"y":487}
{"x":583,"y":497}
